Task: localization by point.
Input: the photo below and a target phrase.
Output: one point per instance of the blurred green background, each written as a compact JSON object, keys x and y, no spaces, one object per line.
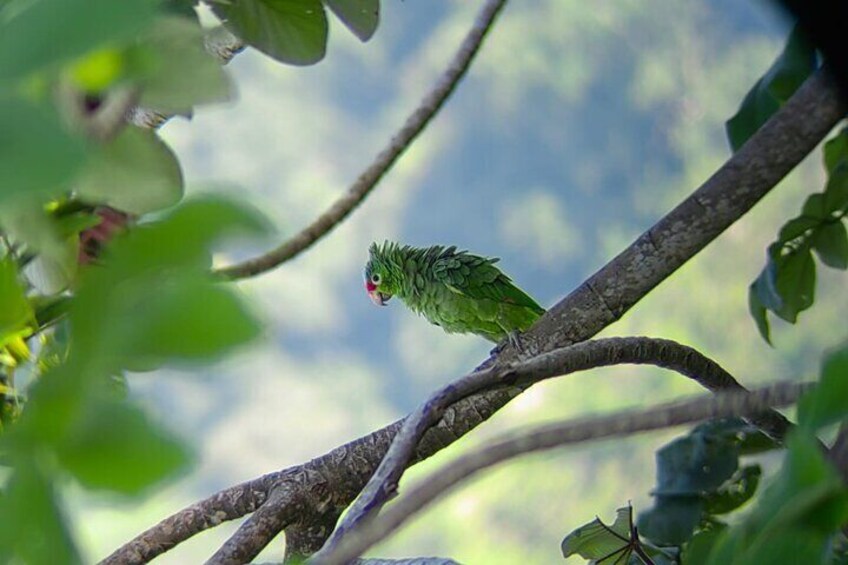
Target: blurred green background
{"x":579,"y":125}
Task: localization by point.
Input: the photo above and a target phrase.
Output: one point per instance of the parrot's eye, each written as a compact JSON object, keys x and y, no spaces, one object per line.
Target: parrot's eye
{"x":375,"y":278}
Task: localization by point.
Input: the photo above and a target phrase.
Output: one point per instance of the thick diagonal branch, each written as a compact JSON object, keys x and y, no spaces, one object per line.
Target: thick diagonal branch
{"x":723,"y":405}
{"x":586,"y":355}
{"x":793,"y":132}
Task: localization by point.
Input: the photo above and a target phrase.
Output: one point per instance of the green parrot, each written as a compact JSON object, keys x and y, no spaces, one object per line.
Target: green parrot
{"x":461,"y":292}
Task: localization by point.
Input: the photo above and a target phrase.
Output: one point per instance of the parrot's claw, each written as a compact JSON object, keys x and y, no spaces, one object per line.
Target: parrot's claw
{"x":513,"y":338}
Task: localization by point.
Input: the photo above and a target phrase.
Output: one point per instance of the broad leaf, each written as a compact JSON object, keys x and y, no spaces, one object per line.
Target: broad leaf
{"x":672,"y":520}
{"x":735,"y":492}
{"x":602,"y":543}
{"x":758,"y":311}
{"x":786,"y":74}
{"x":836,"y":151}
{"x":787,"y":284}
{"x":836,"y":189}
{"x":37,"y":154}
{"x":695,"y":464}
{"x":15,"y":310}
{"x":181,"y":74}
{"x":815,"y":207}
{"x":181,"y":8}
{"x":699,"y":547}
{"x":360,"y":16}
{"x":145,"y":303}
{"x":32,"y":527}
{"x":290,"y":31}
{"x":190,"y":319}
{"x":796,"y":284}
{"x":747,"y":438}
{"x":114,"y":446}
{"x":830,"y":243}
{"x":40,"y":33}
{"x":186,"y":235}
{"x":828,"y":402}
{"x":798,"y":227}
{"x":697,"y":476}
{"x":806,"y":500}
{"x":135,"y":172}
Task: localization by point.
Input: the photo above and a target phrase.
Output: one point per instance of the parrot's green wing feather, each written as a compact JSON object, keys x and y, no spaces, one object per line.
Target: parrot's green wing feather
{"x":478,"y":278}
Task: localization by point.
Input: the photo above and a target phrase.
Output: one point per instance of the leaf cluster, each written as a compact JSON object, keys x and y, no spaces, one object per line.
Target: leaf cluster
{"x":797,"y":517}
{"x":70,"y":330}
{"x":786,"y":285}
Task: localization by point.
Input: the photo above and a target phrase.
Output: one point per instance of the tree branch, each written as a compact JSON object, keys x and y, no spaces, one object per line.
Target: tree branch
{"x":723,"y":405}
{"x":746,"y":177}
{"x":586,"y":355}
{"x":768,"y":155}
{"x":362,"y":187}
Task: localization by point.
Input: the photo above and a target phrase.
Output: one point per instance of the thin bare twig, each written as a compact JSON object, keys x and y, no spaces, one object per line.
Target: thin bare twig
{"x":586,"y":355}
{"x":362,"y":187}
{"x":439,"y":483}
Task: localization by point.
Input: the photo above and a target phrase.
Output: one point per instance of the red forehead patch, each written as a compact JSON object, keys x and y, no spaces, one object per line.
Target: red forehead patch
{"x":369,"y":286}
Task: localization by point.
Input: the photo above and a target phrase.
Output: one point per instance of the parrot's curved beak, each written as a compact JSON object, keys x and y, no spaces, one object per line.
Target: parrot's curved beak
{"x":378,"y":297}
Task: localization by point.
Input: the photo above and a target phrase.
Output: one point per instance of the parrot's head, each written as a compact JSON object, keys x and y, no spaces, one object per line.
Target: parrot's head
{"x":380,"y":282}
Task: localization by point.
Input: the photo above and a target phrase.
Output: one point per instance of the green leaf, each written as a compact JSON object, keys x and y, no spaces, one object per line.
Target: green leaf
{"x":360,"y":16}
{"x":695,"y":464}
{"x":50,"y":309}
{"x":790,"y":288}
{"x":114,"y":446}
{"x":830,"y":243}
{"x":38,"y":33}
{"x":135,"y":172}
{"x":180,"y":73}
{"x":602,"y":543}
{"x":757,"y":107}
{"x":290,"y":31}
{"x":797,"y":545}
{"x":804,"y":485}
{"x":806,"y":500}
{"x":828,"y":402}
{"x":32,"y":527}
{"x":37,"y":154}
{"x":15,"y":310}
{"x":797,"y":227}
{"x":153,"y":298}
{"x":836,"y":151}
{"x":836,"y":189}
{"x":26,"y":221}
{"x":747,"y":438}
{"x":672,"y":520}
{"x":815,"y":208}
{"x":181,"y":8}
{"x":692,"y":474}
{"x":71,"y":225}
{"x":699,"y":547}
{"x":758,"y":310}
{"x":735,"y":492}
{"x":190,"y":320}
{"x":185,"y":236}
{"x":790,"y":69}
{"x":796,"y":62}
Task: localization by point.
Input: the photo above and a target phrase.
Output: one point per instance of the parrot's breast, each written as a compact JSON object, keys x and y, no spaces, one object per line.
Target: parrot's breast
{"x":457,"y":313}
